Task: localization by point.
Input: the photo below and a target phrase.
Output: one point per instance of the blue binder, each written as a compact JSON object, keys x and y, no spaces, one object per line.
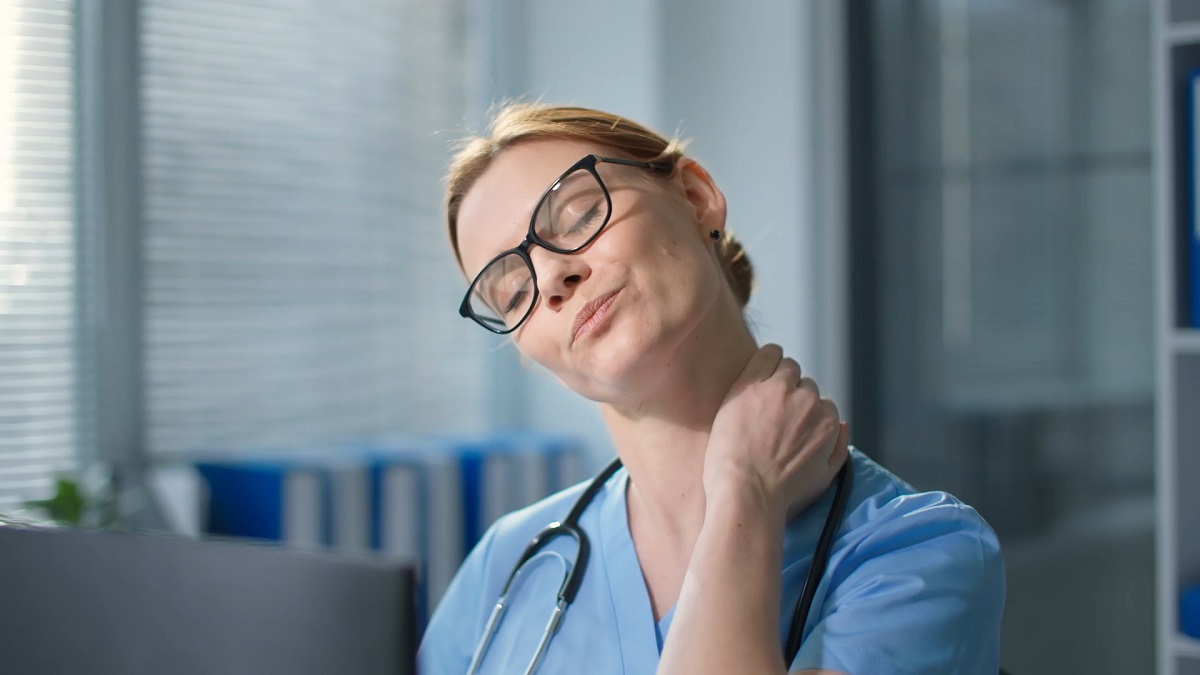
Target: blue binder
{"x":266,"y":498}
{"x":505,"y":471}
{"x":427,"y":500}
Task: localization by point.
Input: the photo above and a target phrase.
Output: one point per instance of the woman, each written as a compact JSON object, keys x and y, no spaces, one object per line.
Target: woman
{"x":601,"y":250}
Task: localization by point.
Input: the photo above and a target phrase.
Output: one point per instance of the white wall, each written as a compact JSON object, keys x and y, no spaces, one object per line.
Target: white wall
{"x":749,"y":83}
{"x":752,"y":84}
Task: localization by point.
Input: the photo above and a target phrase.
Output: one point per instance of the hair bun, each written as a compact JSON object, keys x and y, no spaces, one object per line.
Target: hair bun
{"x":736,"y":265}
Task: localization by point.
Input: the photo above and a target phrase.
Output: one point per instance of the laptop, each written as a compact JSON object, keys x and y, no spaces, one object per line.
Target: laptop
{"x":77,"y":601}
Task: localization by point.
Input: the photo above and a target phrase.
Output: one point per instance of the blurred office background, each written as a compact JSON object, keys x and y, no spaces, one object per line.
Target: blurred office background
{"x":220,"y":229}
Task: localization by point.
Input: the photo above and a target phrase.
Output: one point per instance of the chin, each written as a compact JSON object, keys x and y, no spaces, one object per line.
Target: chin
{"x":618,"y":366}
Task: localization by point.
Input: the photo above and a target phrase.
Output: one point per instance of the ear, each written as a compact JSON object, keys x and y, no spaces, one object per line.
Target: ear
{"x":706,"y":199}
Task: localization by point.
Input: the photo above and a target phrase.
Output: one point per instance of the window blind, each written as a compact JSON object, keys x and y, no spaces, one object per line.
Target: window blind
{"x":38,"y":369}
{"x":298,"y":285}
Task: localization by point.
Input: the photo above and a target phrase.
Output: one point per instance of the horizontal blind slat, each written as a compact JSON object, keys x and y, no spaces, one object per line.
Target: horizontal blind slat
{"x":291,"y":162}
{"x":37,"y":248}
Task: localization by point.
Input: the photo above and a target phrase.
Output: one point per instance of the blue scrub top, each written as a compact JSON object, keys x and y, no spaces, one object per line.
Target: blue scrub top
{"x":915,"y":584}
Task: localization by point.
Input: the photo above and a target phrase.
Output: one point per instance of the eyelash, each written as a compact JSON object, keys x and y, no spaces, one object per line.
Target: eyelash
{"x":515,"y":301}
{"x":587,"y":217}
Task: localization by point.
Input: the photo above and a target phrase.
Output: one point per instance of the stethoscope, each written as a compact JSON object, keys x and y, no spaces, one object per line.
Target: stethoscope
{"x":573,"y":575}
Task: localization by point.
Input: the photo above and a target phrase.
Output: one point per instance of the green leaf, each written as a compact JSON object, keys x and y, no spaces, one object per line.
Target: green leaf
{"x":66,"y":506}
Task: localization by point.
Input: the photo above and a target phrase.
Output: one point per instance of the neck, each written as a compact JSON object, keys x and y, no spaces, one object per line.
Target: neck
{"x":662,"y":436}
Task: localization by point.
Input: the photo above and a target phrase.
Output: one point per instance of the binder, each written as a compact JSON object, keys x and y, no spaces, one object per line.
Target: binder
{"x":266,"y":498}
{"x":444,"y":550}
{"x":351,"y":506}
{"x":415,"y":503}
{"x":506,"y":471}
{"x":397,"y":510}
{"x":1192,"y":237}
{"x":424,"y":500}
{"x":559,"y":462}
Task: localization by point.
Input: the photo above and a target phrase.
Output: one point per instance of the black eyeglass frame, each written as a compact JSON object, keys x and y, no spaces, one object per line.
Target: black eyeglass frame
{"x":588,"y":163}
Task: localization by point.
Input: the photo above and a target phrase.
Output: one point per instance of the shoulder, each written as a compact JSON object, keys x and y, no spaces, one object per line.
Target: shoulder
{"x":922,"y":569}
{"x":887,"y":517}
{"x":891,"y":529}
{"x":881,"y":502}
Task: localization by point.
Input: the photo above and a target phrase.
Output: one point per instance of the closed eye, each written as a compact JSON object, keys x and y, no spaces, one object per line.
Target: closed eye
{"x":585,"y":221}
{"x":517,"y":300}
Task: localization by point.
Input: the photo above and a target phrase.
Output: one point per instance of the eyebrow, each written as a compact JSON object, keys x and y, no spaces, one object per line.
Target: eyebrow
{"x":528,"y":214}
{"x":524,"y":224}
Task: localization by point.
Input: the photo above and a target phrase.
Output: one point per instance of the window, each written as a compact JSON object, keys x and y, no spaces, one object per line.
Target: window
{"x":38,"y":365}
{"x":298,"y":288}
{"x":295,"y":283}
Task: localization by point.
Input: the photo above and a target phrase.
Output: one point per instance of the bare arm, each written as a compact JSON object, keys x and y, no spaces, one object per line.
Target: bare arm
{"x":728,"y":607}
{"x":775,"y":446}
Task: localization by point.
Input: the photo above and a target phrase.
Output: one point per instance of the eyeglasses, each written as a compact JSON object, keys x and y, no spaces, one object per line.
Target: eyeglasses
{"x":568,"y":217}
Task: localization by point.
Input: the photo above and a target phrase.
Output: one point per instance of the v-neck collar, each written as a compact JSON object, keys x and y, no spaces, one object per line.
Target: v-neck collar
{"x":663,"y":627}
{"x":636,"y":627}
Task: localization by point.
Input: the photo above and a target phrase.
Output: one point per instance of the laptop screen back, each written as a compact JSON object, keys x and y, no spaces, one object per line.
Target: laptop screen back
{"x":105,"y":602}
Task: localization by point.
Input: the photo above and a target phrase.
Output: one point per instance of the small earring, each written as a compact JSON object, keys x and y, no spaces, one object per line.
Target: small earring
{"x":714,"y":235}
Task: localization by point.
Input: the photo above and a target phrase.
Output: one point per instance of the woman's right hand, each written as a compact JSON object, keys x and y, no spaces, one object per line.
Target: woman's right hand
{"x":774,"y":438}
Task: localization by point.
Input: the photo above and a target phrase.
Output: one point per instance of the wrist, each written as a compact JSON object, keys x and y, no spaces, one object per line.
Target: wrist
{"x":741,"y":499}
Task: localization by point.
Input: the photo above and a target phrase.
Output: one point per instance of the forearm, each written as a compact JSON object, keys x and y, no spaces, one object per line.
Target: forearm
{"x":727,"y":616}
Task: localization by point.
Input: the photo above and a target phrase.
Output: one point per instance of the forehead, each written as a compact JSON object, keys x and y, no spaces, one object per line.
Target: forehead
{"x":495,"y":212}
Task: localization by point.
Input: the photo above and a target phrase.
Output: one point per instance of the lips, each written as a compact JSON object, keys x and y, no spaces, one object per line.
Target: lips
{"x":594,"y":309}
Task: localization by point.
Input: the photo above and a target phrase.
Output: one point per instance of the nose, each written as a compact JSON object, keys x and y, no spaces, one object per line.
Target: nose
{"x":558,"y":275}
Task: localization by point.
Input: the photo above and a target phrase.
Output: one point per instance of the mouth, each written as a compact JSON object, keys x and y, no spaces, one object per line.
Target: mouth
{"x":591,"y":314}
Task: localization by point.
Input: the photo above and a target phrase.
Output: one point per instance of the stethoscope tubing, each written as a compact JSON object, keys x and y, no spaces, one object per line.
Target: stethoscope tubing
{"x":820,"y":559}
{"x":573,"y":578}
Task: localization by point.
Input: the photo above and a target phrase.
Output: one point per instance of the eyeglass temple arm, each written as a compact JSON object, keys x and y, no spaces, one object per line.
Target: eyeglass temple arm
{"x":657,"y":166}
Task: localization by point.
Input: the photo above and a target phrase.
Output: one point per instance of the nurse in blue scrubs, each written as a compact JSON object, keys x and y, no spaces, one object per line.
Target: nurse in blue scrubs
{"x":601,"y":251}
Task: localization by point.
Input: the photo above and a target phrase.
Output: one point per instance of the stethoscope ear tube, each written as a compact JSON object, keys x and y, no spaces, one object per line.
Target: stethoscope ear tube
{"x":489,"y":632}
{"x":820,"y":559}
{"x":551,"y":628}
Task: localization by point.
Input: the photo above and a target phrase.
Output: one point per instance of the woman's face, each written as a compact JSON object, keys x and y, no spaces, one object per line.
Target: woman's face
{"x":609,"y":314}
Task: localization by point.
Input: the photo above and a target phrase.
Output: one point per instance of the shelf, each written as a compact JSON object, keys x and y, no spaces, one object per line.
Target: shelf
{"x":1186,"y":341}
{"x":1187,"y":646}
{"x":1184,"y":33}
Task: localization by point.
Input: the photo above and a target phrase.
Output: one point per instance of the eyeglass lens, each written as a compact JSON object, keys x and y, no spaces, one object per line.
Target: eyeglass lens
{"x":568,"y":217}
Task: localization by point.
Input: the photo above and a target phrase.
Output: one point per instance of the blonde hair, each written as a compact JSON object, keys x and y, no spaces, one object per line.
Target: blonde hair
{"x":518,"y":122}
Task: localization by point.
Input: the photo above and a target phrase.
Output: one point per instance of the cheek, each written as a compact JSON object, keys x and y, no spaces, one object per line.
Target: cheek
{"x":680,"y":262}
{"x":652,"y":247}
{"x":533,"y":341}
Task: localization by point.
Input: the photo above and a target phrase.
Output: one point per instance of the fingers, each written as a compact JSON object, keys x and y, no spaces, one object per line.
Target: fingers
{"x":841,"y":449}
{"x":789,"y":371}
{"x":762,"y":364}
{"x":829,"y":410}
{"x":832,"y":429}
{"x":809,"y":384}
